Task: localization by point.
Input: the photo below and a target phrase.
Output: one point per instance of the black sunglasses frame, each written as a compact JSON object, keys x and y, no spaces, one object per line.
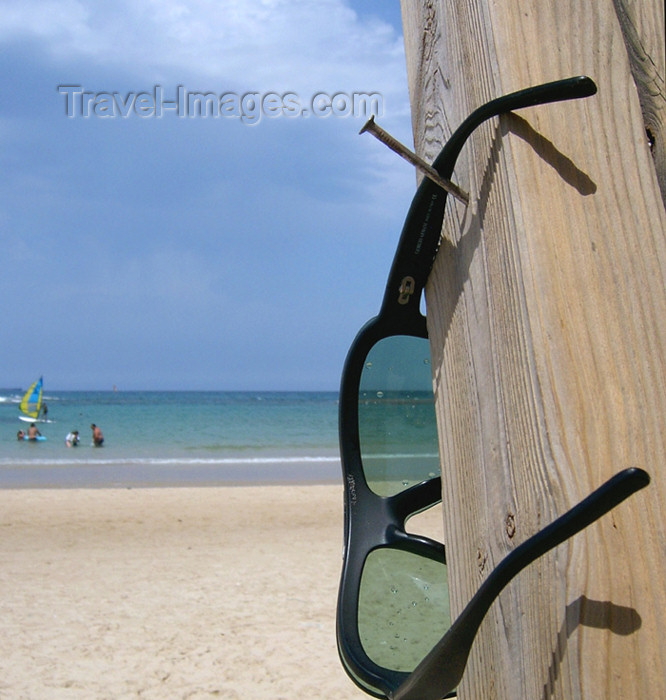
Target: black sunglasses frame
{"x":372,"y":521}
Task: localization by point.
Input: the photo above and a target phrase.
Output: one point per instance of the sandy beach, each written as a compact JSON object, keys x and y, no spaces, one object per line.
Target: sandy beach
{"x":164,"y":593}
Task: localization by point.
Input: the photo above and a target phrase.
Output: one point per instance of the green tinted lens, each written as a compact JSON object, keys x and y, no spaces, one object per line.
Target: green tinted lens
{"x":396,"y":415}
{"x":403,"y":608}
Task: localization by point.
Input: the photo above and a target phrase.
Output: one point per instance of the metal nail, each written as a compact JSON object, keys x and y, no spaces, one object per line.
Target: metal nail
{"x":373,"y":128}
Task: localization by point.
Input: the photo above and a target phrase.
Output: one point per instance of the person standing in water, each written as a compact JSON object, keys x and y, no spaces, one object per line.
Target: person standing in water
{"x":72,"y":439}
{"x":98,"y":438}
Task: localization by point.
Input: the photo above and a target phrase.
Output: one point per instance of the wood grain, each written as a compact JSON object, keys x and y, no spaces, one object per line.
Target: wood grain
{"x":642,"y":25}
{"x":547,"y":317}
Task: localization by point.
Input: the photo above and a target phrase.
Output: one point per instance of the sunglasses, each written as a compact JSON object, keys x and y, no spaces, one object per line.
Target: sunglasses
{"x":393,"y":604}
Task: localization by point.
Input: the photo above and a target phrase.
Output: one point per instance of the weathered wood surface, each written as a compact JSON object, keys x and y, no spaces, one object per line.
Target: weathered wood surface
{"x":547,"y":317}
{"x":642,"y":25}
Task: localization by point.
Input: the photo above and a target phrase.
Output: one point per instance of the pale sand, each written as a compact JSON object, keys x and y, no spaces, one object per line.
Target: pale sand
{"x":171,"y":593}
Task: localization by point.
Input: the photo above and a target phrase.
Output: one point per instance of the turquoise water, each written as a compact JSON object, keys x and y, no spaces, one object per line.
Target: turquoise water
{"x":174,"y":438}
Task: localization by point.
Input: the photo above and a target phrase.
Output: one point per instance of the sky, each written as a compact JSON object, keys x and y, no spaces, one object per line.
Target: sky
{"x":149,"y":246}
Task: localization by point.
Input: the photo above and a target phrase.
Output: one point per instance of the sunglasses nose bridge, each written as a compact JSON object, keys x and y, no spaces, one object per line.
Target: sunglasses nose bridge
{"x":378,"y":522}
{"x":390,"y":526}
{"x":394,"y":533}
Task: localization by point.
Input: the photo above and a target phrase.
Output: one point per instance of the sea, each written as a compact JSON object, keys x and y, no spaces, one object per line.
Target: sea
{"x":173,"y":438}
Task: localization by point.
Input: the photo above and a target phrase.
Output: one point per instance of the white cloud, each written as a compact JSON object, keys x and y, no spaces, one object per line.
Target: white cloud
{"x":260,"y":44}
{"x":45,"y":19}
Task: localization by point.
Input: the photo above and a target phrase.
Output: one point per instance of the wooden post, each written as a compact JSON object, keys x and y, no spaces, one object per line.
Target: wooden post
{"x":547,"y":319}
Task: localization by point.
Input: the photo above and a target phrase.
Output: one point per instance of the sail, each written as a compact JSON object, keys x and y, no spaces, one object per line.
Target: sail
{"x":31,"y":403}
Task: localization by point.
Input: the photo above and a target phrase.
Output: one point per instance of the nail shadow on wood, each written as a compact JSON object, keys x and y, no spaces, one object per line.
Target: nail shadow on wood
{"x":597,"y":614}
{"x":561,"y":163}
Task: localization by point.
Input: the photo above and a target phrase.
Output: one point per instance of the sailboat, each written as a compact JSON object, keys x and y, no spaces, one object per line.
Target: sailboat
{"x":31,"y":404}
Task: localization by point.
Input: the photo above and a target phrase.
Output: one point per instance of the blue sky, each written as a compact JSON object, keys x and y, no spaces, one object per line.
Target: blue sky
{"x":183,"y":252}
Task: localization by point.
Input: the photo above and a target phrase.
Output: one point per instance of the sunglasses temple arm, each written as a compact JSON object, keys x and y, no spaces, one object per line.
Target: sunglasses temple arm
{"x":424,"y":221}
{"x":442,"y":669}
{"x":556,"y":91}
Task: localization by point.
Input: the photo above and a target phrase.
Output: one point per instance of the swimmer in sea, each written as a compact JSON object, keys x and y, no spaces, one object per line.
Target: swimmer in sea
{"x":98,"y":438}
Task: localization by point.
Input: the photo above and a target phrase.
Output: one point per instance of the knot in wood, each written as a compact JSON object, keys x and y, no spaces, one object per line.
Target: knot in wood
{"x":510,"y":525}
{"x":481,"y":559}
